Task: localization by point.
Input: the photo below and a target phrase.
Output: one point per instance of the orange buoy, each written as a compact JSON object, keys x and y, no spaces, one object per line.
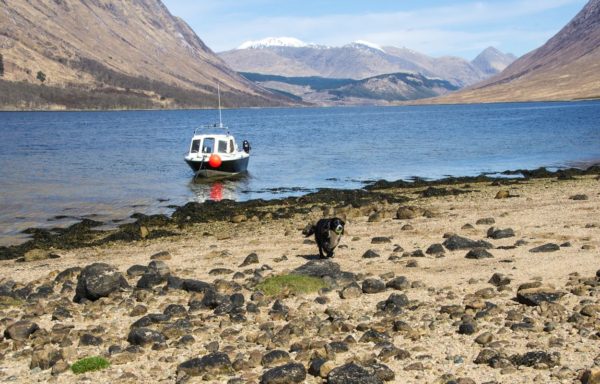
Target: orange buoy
{"x":215,"y":161}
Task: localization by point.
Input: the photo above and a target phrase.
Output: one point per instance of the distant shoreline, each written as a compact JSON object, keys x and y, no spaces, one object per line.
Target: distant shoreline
{"x":411,"y":103}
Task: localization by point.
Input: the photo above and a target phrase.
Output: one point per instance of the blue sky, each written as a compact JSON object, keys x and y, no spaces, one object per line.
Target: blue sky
{"x":437,"y":28}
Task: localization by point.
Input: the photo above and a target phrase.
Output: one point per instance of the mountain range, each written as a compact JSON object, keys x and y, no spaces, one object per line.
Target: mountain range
{"x":566,"y":67}
{"x":291,"y":57}
{"x":111,"y":54}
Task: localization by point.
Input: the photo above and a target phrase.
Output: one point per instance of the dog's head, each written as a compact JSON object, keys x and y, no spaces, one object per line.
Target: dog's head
{"x":337,"y":225}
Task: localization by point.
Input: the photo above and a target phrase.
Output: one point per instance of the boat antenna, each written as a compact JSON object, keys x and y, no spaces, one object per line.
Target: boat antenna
{"x":219,"y":95}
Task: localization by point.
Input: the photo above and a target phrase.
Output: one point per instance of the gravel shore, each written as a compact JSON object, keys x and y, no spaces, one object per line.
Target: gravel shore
{"x":478,"y":283}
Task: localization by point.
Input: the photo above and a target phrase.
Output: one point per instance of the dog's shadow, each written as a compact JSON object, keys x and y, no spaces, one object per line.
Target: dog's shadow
{"x":310,"y":257}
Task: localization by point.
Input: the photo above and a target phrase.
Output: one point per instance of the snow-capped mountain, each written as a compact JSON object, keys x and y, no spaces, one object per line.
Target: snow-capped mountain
{"x":274,"y":42}
{"x":287,"y":56}
{"x":362,"y":43}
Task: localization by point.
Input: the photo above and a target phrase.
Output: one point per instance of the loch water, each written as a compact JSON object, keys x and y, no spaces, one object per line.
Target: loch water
{"x":59,"y":167}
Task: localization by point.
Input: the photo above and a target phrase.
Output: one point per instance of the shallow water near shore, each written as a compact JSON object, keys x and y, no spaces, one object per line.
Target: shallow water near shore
{"x":58,"y":167}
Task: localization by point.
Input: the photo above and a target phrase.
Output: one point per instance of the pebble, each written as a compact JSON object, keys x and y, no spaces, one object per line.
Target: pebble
{"x":381,"y":240}
{"x":371,"y":286}
{"x":550,"y":247}
{"x":478,"y":253}
{"x":370,"y":254}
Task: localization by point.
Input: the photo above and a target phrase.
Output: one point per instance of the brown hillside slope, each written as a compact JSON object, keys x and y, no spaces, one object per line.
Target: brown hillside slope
{"x":132,"y":47}
{"x":567,"y":67}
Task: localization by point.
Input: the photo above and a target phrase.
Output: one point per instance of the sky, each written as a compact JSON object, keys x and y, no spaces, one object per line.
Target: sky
{"x":437,"y":27}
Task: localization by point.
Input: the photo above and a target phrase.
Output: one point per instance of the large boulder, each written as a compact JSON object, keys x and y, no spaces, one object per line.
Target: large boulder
{"x":98,"y":280}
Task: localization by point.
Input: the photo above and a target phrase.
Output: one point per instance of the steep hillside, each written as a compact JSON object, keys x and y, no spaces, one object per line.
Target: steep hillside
{"x":57,"y":53}
{"x":567,"y":67}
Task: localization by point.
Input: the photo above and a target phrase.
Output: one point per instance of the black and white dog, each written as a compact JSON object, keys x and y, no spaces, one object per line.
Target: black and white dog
{"x":328,"y":233}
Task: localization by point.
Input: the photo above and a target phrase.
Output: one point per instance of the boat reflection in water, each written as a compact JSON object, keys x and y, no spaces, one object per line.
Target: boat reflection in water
{"x":217,"y":190}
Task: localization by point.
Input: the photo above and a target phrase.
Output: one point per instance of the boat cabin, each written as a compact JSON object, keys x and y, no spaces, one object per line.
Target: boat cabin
{"x":216,"y":154}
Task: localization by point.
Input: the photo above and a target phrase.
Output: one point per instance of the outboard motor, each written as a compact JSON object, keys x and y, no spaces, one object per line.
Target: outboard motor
{"x":246,"y":146}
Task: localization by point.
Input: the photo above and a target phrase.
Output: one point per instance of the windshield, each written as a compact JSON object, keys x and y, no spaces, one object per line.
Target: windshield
{"x":208,"y":145}
{"x":195,"y":146}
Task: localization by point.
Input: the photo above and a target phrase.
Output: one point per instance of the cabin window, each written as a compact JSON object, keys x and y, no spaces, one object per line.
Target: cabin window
{"x":222,"y":146}
{"x":231,"y":146}
{"x":208,"y":145}
{"x":195,"y":146}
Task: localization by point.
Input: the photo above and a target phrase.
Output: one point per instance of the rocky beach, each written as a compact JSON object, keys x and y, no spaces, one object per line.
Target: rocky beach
{"x":471,"y":280}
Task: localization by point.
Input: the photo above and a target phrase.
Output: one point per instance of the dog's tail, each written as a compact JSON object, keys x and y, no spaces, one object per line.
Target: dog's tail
{"x":309,"y":230}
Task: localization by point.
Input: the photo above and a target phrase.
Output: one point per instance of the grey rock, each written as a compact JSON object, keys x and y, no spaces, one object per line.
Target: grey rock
{"x":467,"y":328}
{"x":214,"y":363}
{"x":274,"y":357}
{"x":98,"y":280}
{"x":145,"y":336}
{"x":220,"y":271}
{"x":373,"y":286}
{"x":88,"y":339}
{"x":579,"y":197}
{"x":394,"y":304}
{"x":499,"y":280}
{"x":250,"y":259}
{"x":495,"y":233}
{"x":136,"y":270}
{"x":399,"y":283}
{"x":191,"y":285}
{"x":374,"y":336}
{"x":537,"y":296}
{"x":486,"y":221}
{"x":68,"y":274}
{"x":382,"y":371}
{"x":174,"y":310}
{"x":150,"y":280}
{"x":351,"y":291}
{"x":550,"y":247}
{"x":284,"y":374}
{"x":456,"y":242}
{"x":417,"y":253}
{"x":152,"y":318}
{"x":319,"y":268}
{"x":314,"y":367}
{"x":21,"y":330}
{"x":352,"y":374}
{"x":159,"y":267}
{"x":435,"y":249}
{"x":535,"y":358}
{"x":380,"y":240}
{"x":478,"y":253}
{"x":370,"y":254}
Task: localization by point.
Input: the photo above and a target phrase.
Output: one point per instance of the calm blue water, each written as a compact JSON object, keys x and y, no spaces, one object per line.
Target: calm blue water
{"x":108,"y":165}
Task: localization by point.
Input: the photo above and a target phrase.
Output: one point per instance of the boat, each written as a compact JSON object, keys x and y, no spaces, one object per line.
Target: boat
{"x":214,"y":153}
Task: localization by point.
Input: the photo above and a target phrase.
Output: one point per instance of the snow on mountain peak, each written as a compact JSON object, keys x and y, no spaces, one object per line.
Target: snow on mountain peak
{"x":274,"y":42}
{"x":368,"y":44}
